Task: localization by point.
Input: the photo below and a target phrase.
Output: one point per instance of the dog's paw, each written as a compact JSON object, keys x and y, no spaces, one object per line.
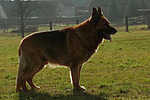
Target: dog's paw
{"x":81,"y":88}
{"x":19,"y":90}
{"x":37,"y":87}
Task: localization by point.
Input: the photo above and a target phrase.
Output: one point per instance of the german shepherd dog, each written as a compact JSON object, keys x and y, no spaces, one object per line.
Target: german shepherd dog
{"x":70,"y":47}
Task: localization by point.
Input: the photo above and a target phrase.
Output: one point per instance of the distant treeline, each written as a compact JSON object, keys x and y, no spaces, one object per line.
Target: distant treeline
{"x":113,"y":11}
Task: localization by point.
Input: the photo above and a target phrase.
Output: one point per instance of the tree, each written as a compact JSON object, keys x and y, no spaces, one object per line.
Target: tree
{"x":49,"y":8}
{"x":113,"y":12}
{"x":143,"y":4}
{"x":132,"y":7}
{"x":24,"y":8}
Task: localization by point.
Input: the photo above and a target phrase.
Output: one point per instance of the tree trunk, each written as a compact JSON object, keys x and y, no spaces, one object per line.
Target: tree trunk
{"x":22,"y":27}
{"x":22,"y":19}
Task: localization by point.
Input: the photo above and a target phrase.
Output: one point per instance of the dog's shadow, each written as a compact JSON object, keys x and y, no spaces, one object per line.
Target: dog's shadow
{"x":75,"y":95}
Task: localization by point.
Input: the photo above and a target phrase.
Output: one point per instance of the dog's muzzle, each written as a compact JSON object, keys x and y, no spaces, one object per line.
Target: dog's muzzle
{"x":106,"y":33}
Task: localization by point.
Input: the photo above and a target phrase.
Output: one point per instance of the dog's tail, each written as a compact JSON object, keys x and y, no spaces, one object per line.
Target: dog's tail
{"x":18,"y":83}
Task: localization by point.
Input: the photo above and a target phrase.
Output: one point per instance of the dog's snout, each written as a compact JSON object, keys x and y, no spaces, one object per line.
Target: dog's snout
{"x":112,"y":30}
{"x":115,"y":31}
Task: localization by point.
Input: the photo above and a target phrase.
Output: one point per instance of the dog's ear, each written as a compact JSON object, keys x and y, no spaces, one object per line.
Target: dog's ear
{"x":100,"y":11}
{"x":95,"y":16}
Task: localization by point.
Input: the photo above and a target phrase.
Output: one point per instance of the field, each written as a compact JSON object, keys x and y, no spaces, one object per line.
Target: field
{"x":119,"y":70}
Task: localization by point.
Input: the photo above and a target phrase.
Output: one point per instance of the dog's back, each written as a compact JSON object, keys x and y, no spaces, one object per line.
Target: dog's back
{"x":50,"y":45}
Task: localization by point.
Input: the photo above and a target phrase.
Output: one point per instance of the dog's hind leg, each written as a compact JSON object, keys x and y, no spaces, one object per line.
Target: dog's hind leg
{"x":21,"y":80}
{"x":23,"y":84}
{"x":30,"y":79}
{"x":39,"y":67}
{"x":30,"y":82}
{"x":25,"y":70}
{"x":24,"y":76}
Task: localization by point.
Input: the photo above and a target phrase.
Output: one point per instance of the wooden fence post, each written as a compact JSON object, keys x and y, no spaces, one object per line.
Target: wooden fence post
{"x":50,"y":25}
{"x":147,"y":20}
{"x":77,"y":22}
{"x":4,"y":28}
{"x":126,"y":21}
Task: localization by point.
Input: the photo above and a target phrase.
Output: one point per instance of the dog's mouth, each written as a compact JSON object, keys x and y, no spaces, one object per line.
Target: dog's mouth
{"x":107,"y":34}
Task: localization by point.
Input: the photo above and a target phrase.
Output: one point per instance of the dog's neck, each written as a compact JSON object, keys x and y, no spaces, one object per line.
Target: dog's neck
{"x":91,"y":43}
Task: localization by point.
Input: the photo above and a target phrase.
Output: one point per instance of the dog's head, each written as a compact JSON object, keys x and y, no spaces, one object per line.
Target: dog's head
{"x":101,"y":24}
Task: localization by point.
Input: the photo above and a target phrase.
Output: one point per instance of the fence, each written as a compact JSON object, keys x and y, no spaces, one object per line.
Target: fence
{"x":136,"y":21}
{"x":5,"y":24}
{"x":131,"y":24}
{"x":33,"y":24}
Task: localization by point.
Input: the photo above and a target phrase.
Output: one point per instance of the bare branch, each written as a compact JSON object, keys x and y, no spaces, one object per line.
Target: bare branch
{"x":25,"y":8}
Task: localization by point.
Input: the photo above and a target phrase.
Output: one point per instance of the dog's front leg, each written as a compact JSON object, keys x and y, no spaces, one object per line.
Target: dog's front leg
{"x":75,"y":76}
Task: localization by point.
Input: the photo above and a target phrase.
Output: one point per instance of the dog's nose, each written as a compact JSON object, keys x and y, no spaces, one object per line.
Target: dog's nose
{"x":115,"y":31}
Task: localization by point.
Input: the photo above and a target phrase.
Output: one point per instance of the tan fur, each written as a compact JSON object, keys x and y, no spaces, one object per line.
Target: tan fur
{"x":70,"y":47}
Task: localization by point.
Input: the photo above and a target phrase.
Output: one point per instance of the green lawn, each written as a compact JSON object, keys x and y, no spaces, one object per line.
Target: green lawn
{"x":119,"y":70}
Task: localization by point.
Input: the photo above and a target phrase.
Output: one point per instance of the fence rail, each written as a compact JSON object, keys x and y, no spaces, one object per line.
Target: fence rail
{"x":37,"y":21}
{"x":52,"y":23}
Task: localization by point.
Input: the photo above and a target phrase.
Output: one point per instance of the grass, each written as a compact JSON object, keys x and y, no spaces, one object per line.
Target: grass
{"x":119,"y":70}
